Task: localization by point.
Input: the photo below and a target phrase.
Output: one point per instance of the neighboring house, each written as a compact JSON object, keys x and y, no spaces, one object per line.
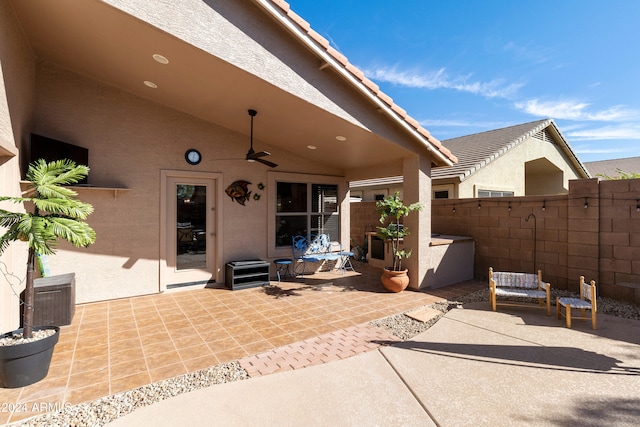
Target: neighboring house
{"x":612,"y":168}
{"x":139,"y":84}
{"x":523,"y":160}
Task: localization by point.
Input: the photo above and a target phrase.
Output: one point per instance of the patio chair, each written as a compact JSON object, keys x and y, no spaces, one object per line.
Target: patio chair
{"x":587,"y":301}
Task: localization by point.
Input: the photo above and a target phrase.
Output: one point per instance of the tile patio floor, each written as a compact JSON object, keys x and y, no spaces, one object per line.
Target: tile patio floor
{"x":118,"y":345}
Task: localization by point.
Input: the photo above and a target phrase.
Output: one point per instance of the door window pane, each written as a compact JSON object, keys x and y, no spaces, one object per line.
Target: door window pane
{"x":191,"y":228}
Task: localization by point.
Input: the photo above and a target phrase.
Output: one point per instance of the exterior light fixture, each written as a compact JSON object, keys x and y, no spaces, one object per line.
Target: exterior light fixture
{"x":586,"y":203}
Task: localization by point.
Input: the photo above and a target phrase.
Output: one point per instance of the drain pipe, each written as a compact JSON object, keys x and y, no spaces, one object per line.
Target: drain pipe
{"x":535,"y":238}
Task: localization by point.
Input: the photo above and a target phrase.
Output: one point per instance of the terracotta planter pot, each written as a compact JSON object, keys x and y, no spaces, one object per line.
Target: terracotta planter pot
{"x":395,"y":281}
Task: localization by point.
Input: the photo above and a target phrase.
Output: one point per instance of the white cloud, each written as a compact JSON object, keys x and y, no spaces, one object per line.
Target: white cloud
{"x":619,"y":132}
{"x":599,"y":150}
{"x":575,"y":110}
{"x":440,"y":79}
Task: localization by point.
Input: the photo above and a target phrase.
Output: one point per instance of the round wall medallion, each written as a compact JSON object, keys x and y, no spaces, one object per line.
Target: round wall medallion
{"x":192,"y":156}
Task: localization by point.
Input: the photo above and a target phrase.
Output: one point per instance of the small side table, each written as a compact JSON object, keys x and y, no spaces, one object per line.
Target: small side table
{"x":283,"y":267}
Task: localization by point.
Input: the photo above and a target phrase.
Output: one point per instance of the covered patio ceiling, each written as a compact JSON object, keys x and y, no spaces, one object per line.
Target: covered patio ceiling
{"x":96,"y":40}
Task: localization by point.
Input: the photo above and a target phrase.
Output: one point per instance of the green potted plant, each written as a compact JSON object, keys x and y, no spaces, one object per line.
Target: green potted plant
{"x":25,"y":354}
{"x":392,"y":210}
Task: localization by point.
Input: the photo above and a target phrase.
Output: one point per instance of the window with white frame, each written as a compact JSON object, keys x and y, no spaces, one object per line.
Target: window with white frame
{"x":492,"y":193}
{"x":304,"y":208}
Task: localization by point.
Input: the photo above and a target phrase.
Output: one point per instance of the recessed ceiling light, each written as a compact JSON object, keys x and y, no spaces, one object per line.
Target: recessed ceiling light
{"x":341,"y":138}
{"x":161,"y":59}
{"x":311,"y":147}
{"x":151,"y":84}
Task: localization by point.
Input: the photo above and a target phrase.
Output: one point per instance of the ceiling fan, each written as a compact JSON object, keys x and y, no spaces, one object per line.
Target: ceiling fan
{"x":253,"y":156}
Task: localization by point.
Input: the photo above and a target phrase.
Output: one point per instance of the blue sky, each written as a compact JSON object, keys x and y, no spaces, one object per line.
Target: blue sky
{"x":465,"y":66}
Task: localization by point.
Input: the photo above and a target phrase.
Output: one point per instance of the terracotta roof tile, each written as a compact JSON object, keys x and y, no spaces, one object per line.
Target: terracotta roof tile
{"x":298,"y":20}
{"x":371,"y":85}
{"x":355,"y":71}
{"x":385,"y":98}
{"x":282,"y":5}
{"x":318,"y":38}
{"x":337,"y":55}
{"x":401,"y":111}
{"x":413,"y":122}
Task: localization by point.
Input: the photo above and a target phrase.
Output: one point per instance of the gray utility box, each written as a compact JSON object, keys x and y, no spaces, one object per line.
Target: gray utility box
{"x":55,"y":300}
{"x":247,"y":274}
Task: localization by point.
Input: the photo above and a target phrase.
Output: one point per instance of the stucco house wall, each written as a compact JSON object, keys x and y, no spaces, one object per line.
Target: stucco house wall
{"x":17,"y":71}
{"x":130,"y":140}
{"x":501,"y":175}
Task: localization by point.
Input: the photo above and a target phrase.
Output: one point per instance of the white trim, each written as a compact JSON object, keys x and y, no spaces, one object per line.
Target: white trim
{"x":165,"y":175}
{"x":344,"y":210}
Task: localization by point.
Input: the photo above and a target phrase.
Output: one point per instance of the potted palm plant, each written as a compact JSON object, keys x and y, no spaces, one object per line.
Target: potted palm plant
{"x":392,"y":210}
{"x":25,"y":354}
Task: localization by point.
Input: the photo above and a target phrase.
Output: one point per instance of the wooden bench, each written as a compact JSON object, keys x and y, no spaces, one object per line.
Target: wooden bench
{"x":319,"y":249}
{"x":518,"y":285}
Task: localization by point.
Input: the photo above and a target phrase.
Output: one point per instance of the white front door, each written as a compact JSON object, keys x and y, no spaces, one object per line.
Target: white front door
{"x":189,"y":228}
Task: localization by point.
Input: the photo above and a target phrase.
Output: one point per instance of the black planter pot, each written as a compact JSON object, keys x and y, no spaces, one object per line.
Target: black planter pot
{"x":27,"y":363}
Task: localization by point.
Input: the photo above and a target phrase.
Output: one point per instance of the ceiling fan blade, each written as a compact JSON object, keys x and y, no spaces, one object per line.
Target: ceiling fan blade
{"x":258,"y":154}
{"x":266,"y":162}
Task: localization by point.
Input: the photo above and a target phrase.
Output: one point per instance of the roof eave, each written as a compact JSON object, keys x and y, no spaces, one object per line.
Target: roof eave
{"x":281,"y":12}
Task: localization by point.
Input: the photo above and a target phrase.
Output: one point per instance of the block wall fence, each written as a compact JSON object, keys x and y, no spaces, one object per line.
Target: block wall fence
{"x":593,"y":230}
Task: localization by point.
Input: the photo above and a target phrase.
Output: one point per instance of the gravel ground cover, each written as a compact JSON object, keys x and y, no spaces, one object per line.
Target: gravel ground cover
{"x":101,"y":411}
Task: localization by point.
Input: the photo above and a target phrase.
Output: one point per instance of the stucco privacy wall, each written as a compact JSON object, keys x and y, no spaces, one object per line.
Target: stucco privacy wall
{"x":501,"y":175}
{"x":600,"y":241}
{"x":130,"y":140}
{"x":17,"y":71}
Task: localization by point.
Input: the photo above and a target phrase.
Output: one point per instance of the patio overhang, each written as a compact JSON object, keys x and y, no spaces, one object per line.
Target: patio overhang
{"x":112,"y":46}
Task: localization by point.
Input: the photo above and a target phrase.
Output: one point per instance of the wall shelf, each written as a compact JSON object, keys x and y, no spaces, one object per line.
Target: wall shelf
{"x":87,"y":187}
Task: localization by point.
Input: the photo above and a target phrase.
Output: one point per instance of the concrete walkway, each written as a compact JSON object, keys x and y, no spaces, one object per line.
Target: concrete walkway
{"x":474,"y":367}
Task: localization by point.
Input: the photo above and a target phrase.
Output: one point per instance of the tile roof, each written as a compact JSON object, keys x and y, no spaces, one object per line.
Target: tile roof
{"x":478,"y":150}
{"x":610,"y":168}
{"x":281,"y":10}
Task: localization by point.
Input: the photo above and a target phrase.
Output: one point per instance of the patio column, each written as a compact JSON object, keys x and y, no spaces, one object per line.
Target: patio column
{"x":417,"y":188}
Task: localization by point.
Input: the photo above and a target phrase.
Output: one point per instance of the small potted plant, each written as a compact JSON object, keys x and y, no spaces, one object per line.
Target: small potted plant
{"x":25,"y":354}
{"x":392,"y":210}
